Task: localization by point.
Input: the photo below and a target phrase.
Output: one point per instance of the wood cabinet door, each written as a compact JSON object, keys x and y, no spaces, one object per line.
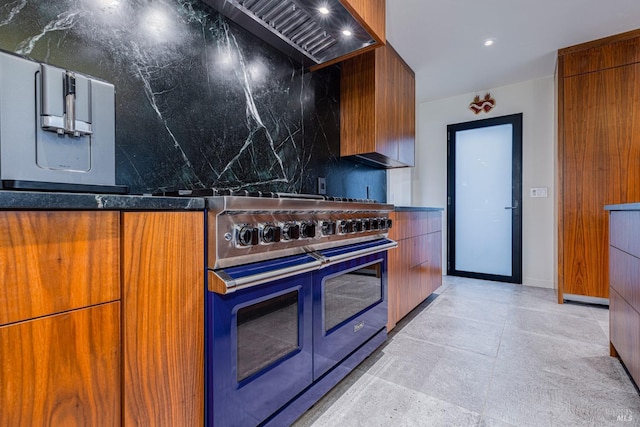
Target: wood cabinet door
{"x":163,"y":305}
{"x":600,"y":155}
{"x":62,"y":370}
{"x":57,"y":261}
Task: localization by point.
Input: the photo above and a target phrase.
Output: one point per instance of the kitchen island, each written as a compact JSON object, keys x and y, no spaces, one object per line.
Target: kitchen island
{"x":624,"y":282}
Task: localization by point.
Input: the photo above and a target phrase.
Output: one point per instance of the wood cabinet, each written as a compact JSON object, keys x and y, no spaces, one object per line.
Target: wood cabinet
{"x":377,"y":109}
{"x":598,"y":87}
{"x":163,"y":330}
{"x":59,"y":319}
{"x":74,"y":349}
{"x":415,"y":266}
{"x":624,"y":298}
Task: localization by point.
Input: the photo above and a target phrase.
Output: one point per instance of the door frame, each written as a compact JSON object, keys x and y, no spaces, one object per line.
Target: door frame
{"x":516,"y":194}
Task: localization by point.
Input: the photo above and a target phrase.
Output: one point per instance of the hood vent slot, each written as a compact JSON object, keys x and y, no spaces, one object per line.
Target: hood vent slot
{"x":297,"y":28}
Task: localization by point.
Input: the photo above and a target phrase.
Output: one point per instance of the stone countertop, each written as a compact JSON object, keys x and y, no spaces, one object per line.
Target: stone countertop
{"x":623,"y":207}
{"x":83,"y":201}
{"x":416,"y":209}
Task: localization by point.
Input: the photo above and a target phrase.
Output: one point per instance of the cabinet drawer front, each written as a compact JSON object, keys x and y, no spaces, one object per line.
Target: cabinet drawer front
{"x":62,"y":370}
{"x":435,"y":222}
{"x":624,"y":331}
{"x":624,"y":229}
{"x":57,"y":261}
{"x":624,"y":277}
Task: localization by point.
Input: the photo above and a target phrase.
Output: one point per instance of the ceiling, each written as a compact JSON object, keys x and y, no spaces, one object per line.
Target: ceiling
{"x":443,"y":40}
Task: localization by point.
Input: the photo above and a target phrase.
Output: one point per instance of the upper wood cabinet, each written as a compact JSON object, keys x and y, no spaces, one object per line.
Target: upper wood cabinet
{"x":377,"y":109}
{"x":598,"y":94}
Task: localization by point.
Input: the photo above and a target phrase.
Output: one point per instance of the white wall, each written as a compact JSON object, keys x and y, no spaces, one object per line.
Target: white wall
{"x":426,"y":183}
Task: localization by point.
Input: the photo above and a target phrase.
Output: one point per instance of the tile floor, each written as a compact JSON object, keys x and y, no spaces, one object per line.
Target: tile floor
{"x":481,"y":353}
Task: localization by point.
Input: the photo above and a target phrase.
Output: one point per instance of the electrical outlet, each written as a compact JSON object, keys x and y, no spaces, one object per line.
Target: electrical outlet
{"x":322,"y":185}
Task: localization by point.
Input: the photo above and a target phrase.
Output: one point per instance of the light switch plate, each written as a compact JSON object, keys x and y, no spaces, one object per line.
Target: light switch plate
{"x":322,"y":185}
{"x":539,"y":192}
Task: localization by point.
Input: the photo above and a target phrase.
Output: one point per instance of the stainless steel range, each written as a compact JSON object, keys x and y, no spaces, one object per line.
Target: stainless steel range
{"x":296,"y":297}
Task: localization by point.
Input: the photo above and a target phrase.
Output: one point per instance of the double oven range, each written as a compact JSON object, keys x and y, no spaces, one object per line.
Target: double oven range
{"x":296,"y":299}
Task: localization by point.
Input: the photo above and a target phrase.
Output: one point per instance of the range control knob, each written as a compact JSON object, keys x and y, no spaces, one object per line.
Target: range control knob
{"x":291,"y":231}
{"x":366,"y":224}
{"x":342,"y":227}
{"x":328,"y":228}
{"x":351,"y":227}
{"x":389,"y":223}
{"x":375,"y":223}
{"x":308,"y":230}
{"x":270,"y":233}
{"x":383,"y":223}
{"x":247,"y":235}
{"x":358,"y":226}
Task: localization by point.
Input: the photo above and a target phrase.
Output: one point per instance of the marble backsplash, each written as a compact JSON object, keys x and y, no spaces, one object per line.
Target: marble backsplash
{"x":199,"y":101}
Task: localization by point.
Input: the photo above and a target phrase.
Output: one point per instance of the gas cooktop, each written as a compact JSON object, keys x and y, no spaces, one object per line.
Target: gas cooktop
{"x":213,"y":192}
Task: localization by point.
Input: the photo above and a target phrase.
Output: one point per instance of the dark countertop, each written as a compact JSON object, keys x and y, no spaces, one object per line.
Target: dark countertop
{"x":416,"y":209}
{"x":623,"y":207}
{"x":82,"y":201}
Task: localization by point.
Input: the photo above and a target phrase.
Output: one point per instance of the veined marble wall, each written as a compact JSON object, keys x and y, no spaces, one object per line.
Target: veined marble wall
{"x":199,"y":101}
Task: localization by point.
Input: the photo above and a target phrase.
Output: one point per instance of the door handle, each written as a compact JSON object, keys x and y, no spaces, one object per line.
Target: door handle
{"x":511,"y":207}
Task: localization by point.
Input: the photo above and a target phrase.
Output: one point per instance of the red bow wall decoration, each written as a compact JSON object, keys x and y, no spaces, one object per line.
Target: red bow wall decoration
{"x":485,"y":105}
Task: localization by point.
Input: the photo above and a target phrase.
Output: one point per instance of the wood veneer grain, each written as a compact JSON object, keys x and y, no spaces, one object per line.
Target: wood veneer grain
{"x":62,"y":370}
{"x":415,"y":266}
{"x":52,"y":262}
{"x":613,"y":51}
{"x":371,"y":14}
{"x":624,"y":333}
{"x":377,"y":107}
{"x":601,"y":154}
{"x":163,"y":299}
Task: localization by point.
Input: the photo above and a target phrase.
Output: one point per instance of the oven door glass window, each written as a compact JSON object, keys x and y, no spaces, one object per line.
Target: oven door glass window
{"x":267,"y":332}
{"x":349,"y":293}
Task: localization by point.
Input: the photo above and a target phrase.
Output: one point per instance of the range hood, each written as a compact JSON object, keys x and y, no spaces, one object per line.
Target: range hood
{"x":299,"y":28}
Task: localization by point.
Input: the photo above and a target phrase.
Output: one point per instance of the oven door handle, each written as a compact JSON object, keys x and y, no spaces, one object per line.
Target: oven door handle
{"x":220,"y":282}
{"x":333,"y":259}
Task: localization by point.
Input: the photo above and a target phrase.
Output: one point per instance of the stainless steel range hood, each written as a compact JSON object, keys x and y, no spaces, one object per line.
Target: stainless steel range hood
{"x":298,"y":27}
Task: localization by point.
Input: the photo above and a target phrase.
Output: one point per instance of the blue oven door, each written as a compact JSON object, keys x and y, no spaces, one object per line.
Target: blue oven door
{"x":350,"y":302}
{"x":259,"y":349}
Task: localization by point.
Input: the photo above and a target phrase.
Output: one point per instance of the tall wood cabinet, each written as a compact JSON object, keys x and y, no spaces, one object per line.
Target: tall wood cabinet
{"x":598,"y":94}
{"x":415,"y":266}
{"x":377,"y":109}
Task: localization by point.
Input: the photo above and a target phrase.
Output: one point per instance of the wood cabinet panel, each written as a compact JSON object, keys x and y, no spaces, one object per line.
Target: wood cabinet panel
{"x":415,"y":267}
{"x":434,"y":244}
{"x":622,"y":49}
{"x":600,"y":157}
{"x":377,"y":108}
{"x":625,"y":276}
{"x":625,"y":229}
{"x":62,"y":370}
{"x":371,"y":14}
{"x":163,"y":304}
{"x":52,"y":262}
{"x":624,"y":333}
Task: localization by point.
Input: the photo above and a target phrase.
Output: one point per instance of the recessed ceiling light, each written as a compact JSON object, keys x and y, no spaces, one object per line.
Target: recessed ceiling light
{"x":323,"y":10}
{"x":346,"y":32}
{"x":489,"y":42}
